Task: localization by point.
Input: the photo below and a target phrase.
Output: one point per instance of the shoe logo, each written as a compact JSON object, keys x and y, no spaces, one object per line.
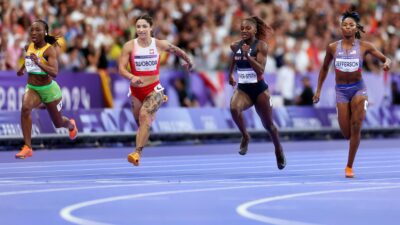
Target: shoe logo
{"x":158,"y":88}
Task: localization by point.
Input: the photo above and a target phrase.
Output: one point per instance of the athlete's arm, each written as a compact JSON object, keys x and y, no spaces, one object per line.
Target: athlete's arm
{"x":258,"y":63}
{"x":52,"y":64}
{"x":234,"y":48}
{"x":21,"y":70}
{"x":370,"y":48}
{"x":324,"y":71}
{"x":168,"y":47}
{"x":123,"y":62}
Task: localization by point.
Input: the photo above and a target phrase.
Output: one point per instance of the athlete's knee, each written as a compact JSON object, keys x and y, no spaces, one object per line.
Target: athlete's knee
{"x":356,"y":125}
{"x":235,"y":111}
{"x":26,"y":111}
{"x":144,"y":118}
{"x":270,"y":127}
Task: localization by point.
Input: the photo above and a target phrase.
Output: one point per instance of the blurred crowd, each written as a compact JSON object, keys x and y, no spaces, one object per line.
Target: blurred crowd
{"x":92,"y":32}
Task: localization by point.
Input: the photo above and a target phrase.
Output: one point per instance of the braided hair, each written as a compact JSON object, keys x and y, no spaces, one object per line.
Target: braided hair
{"x":264,"y":31}
{"x":48,"y":38}
{"x":356,"y":17}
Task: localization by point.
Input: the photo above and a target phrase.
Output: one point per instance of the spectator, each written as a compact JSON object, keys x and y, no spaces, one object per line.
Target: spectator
{"x":185,"y":99}
{"x":285,"y":80}
{"x":306,"y":96}
{"x":395,"y":93}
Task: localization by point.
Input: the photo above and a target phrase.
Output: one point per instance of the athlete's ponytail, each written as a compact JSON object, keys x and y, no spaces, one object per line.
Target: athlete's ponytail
{"x":264,"y":31}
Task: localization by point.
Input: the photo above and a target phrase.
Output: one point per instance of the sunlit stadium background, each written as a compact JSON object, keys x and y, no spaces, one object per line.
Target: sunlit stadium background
{"x":92,"y":32}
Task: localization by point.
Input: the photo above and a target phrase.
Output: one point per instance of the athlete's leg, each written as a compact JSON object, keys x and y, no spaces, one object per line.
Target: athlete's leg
{"x":30,"y":100}
{"x":344,"y":112}
{"x":146,"y":116}
{"x":358,"y":109}
{"x":263,"y":107}
{"x":240,"y":101}
{"x":54,"y":108}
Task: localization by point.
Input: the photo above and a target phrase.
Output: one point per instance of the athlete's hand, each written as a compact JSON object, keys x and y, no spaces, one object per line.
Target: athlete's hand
{"x":245,"y":49}
{"x":20,"y":72}
{"x":316,"y":97}
{"x":232,"y":81}
{"x":136,"y":81}
{"x":188,"y":66}
{"x":386,"y":65}
{"x":34,"y":58}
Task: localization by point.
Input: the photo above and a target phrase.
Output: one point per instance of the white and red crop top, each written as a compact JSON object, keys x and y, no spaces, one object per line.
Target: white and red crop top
{"x":145,"y":61}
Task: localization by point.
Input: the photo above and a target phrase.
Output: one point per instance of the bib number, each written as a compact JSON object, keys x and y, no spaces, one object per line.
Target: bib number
{"x":31,"y":66}
{"x":247,"y":76}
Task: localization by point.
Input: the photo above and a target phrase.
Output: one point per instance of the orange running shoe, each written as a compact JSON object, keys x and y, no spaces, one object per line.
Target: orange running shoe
{"x":349,"y":172}
{"x":74,"y":132}
{"x":24,"y":153}
{"x":134,"y":158}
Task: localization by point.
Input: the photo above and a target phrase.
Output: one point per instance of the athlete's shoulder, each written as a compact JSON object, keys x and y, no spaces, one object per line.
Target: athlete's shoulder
{"x":334,"y":44}
{"x":160,"y":42}
{"x":262,"y":44}
{"x":27,"y":46}
{"x":366,"y":44}
{"x":129,"y":43}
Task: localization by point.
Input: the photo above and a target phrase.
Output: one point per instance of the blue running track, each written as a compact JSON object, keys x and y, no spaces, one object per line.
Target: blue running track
{"x":208,"y":184}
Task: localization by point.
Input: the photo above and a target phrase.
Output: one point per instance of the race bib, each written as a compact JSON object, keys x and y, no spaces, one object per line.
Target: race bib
{"x":247,"y":76}
{"x":146,"y":62}
{"x":347,"y":65}
{"x":31,"y":66}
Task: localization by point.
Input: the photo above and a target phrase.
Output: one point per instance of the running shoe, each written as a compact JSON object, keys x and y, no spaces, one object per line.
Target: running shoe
{"x":349,"y":172}
{"x":280,"y":159}
{"x":24,"y":153}
{"x":74,"y":132}
{"x":134,"y":158}
{"x":244,"y":143}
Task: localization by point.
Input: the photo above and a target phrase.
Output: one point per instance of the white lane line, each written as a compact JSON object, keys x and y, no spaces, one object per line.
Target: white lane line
{"x":66,"y":212}
{"x":9,"y":193}
{"x":126,"y":166}
{"x":147,"y":181}
{"x":269,"y":179}
{"x":199,"y":169}
{"x":243,"y":209}
{"x":193,"y":158}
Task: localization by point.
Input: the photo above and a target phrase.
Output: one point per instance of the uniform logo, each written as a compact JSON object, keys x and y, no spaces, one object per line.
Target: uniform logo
{"x":151,"y":51}
{"x":239,"y":51}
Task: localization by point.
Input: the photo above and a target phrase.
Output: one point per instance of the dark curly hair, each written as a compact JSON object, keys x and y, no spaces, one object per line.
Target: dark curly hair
{"x":264,"y":31}
{"x":356,"y":17}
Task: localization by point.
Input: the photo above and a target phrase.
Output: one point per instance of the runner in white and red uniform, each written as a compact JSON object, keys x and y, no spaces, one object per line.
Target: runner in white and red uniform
{"x":142,"y":54}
